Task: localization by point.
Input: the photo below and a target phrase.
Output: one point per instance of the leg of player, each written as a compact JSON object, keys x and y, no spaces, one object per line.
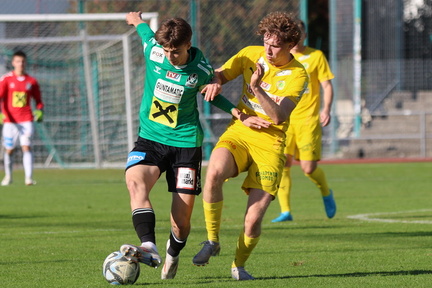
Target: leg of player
{"x":221,"y":167}
{"x":181,"y":212}
{"x":28,"y":165}
{"x":258,"y":202}
{"x":8,"y":163}
{"x":140,"y":179}
{"x":10,"y":135}
{"x":26,"y":130}
{"x":317,"y":176}
{"x":284,"y":192}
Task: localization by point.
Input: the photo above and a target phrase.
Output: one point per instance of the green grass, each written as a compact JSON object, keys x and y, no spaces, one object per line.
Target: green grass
{"x":57,"y":233}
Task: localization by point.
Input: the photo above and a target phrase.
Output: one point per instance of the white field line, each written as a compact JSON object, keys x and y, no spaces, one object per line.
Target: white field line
{"x":75,"y":231}
{"x":372,"y":217}
{"x":105,"y":230}
{"x":194,"y":228}
{"x":369,"y":217}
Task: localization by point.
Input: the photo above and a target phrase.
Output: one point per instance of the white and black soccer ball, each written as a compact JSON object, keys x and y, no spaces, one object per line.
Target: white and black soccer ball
{"x":118,"y":270}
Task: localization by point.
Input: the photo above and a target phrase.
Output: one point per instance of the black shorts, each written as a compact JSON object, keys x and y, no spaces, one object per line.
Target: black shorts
{"x":182,"y":165}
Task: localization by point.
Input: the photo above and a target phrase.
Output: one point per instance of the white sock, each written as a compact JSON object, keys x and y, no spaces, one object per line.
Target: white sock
{"x":7,"y":164}
{"x":149,"y":245}
{"x":28,"y":164}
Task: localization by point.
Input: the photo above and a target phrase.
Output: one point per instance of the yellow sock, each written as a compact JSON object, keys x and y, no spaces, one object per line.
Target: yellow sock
{"x":212,"y":215}
{"x":318,"y":177}
{"x":285,"y":190}
{"x":245,"y":245}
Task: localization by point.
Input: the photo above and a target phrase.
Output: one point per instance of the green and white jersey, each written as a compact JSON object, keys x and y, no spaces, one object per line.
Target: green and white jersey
{"x":168,"y":112}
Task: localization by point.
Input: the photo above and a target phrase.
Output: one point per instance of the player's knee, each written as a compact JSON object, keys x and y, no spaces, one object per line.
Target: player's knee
{"x":9,"y":151}
{"x":26,"y":148}
{"x":136,"y":188}
{"x":214,"y":176}
{"x":288,"y":162}
{"x":308,"y":170}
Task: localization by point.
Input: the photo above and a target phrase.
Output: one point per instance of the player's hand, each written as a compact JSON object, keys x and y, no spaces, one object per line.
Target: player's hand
{"x":210,"y":91}
{"x":38,"y":115}
{"x":2,"y":117}
{"x":254,"y":122}
{"x":257,"y":76}
{"x":325,"y":118}
{"x":134,"y":18}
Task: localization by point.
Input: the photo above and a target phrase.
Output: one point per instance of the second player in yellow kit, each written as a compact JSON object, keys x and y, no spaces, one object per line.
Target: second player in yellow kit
{"x":304,"y":133}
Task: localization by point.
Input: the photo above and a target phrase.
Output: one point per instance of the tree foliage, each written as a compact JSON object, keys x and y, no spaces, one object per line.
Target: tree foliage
{"x":223,"y":26}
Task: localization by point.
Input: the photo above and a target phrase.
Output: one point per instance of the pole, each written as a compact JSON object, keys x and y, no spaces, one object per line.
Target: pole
{"x":334,"y":144}
{"x":89,"y":89}
{"x":357,"y":67}
{"x":128,"y":90}
{"x":194,"y":19}
{"x":305,"y":17}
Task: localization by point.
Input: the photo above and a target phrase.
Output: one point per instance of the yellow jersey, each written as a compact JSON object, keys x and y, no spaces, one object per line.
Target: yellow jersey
{"x":289,"y":81}
{"x":318,"y":69}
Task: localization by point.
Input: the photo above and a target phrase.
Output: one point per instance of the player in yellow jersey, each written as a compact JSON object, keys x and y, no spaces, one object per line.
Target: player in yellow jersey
{"x":273,"y":83}
{"x":304,"y":133}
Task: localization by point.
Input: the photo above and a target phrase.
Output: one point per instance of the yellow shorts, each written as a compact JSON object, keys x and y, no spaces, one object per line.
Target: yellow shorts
{"x":304,"y":140}
{"x":260,"y":155}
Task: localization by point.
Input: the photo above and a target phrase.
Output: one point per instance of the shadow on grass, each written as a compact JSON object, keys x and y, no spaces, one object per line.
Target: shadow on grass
{"x":406,"y":234}
{"x":357,"y":274}
{"x":33,"y":262}
{"x":303,"y":227}
{"x":368,"y":235}
{"x":210,"y":280}
{"x":21,"y":216}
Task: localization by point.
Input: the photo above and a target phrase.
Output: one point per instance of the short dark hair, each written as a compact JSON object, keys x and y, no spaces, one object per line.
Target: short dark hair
{"x":20,"y":54}
{"x":174,"y":32}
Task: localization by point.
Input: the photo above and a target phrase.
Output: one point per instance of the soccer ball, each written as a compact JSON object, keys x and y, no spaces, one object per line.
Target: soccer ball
{"x":118,"y":270}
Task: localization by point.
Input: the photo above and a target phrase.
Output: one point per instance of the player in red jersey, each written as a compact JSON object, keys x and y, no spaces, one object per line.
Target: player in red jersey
{"x":16,"y":91}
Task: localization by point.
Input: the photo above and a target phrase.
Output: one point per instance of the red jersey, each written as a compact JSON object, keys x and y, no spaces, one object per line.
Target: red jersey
{"x":16,"y":93}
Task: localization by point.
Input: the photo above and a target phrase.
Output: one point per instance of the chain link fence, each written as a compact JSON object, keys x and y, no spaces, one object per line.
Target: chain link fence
{"x":395,"y":56}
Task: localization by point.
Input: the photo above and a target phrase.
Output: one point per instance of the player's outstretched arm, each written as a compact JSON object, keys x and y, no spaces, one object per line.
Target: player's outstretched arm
{"x":134,"y":18}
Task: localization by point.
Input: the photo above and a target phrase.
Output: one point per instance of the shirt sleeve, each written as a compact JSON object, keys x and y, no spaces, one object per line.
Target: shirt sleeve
{"x":37,"y":96}
{"x":223,"y":103}
{"x":3,"y":87}
{"x":145,"y":32}
{"x":324,"y":72}
{"x":234,"y":66}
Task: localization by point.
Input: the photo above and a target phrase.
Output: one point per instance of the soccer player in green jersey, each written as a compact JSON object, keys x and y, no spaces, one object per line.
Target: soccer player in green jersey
{"x":304,"y":133}
{"x":273,"y":83}
{"x":169,"y":137}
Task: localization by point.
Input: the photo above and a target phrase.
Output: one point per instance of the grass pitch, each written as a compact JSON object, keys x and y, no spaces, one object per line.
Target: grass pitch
{"x":57,"y":233}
